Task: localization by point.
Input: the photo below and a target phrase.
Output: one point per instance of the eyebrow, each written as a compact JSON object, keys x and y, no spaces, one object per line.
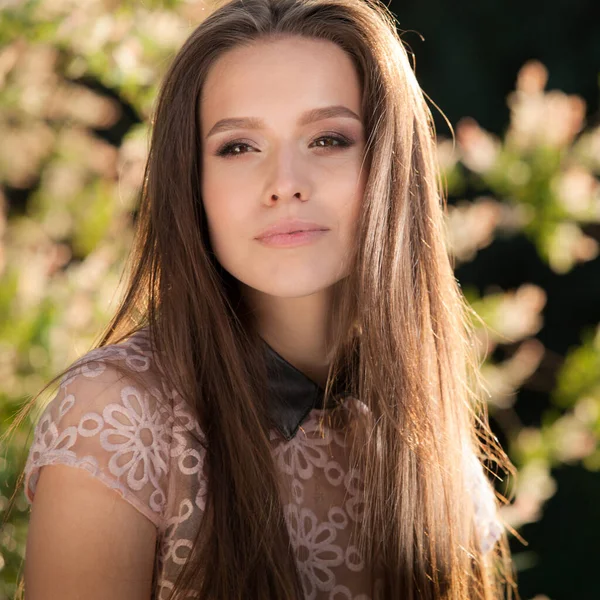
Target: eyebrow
{"x":310,"y":116}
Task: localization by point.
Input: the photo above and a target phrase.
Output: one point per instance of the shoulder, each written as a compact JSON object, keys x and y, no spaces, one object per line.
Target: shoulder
{"x":112,"y":416}
{"x":133,"y":355}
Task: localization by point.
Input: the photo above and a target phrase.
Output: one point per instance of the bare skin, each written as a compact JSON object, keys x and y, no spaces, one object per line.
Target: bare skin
{"x":284,"y":168}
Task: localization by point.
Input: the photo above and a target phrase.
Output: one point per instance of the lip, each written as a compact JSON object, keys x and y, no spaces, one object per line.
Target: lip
{"x":289,"y":226}
{"x":290,"y":240}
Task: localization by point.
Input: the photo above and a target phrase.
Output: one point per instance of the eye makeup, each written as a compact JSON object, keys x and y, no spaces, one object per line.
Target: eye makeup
{"x":340,"y":142}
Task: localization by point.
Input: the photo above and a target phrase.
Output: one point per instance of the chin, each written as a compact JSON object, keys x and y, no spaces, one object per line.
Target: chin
{"x":290,"y":287}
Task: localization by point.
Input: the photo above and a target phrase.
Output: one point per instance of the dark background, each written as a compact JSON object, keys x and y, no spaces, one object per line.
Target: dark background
{"x":472,"y":50}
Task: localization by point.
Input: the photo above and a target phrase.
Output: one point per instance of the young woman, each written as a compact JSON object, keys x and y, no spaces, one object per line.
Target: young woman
{"x":286,"y":404}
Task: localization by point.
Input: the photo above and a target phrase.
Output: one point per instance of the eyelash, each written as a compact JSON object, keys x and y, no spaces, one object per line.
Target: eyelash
{"x":225,"y":150}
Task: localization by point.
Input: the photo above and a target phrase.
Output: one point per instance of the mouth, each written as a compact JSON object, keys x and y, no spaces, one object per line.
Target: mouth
{"x":291,"y":231}
{"x":293,"y":238}
{"x":290,"y":226}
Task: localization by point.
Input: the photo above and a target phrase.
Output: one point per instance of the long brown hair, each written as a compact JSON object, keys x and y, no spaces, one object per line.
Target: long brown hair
{"x":401,"y":332}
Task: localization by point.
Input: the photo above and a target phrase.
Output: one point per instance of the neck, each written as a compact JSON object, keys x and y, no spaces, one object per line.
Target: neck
{"x":296,"y":328}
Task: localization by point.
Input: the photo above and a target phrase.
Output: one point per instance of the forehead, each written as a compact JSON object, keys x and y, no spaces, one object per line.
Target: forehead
{"x":278,"y":78}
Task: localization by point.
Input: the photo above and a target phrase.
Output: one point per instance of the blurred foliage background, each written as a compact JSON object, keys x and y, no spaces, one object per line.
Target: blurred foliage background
{"x":519,"y":84}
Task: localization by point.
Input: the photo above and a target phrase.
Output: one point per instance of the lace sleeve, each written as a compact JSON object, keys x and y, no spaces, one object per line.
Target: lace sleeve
{"x":487,"y":521}
{"x":102,"y":422}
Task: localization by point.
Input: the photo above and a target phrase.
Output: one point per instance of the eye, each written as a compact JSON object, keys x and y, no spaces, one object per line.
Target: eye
{"x":341,"y":142}
{"x":229,"y":149}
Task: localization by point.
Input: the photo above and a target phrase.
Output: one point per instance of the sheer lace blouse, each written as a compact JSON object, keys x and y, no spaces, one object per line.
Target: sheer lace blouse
{"x":140,"y":444}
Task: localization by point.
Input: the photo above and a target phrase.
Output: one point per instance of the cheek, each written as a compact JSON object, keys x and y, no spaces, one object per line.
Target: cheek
{"x":225,"y":217}
{"x":350,"y":209}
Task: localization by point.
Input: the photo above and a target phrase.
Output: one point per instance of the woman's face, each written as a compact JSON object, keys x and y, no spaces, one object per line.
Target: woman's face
{"x":275,"y":163}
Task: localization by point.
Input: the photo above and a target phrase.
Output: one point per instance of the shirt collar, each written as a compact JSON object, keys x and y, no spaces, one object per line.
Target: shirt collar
{"x":292,"y":394}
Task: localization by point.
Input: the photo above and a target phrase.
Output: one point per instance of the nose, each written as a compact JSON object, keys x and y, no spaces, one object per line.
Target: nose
{"x":290,"y":179}
{"x":276,"y":197}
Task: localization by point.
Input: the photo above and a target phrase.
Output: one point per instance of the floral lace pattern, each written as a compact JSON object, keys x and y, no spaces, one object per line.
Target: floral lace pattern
{"x":144,"y":445}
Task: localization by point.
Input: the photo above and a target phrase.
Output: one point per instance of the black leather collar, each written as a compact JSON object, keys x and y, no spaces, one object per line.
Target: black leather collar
{"x":292,"y":394}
